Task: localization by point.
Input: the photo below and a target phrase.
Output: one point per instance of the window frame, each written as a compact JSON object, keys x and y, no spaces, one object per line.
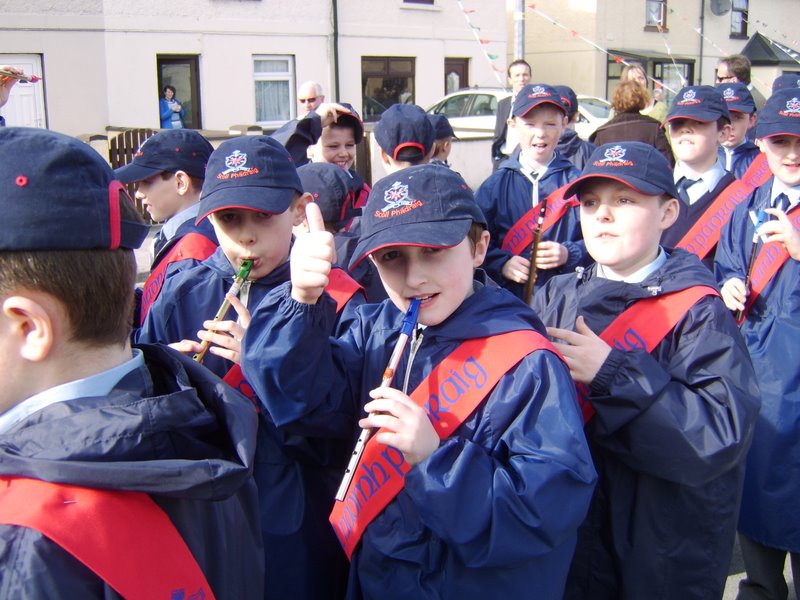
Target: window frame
{"x":648,"y":26}
{"x":741,"y":33}
{"x":266,"y":76}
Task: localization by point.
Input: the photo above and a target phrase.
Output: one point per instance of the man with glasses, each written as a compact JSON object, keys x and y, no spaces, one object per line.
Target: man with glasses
{"x":736,"y":68}
{"x":309,"y":96}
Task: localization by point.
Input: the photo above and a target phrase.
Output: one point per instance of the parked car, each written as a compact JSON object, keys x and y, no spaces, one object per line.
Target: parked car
{"x":472,"y":112}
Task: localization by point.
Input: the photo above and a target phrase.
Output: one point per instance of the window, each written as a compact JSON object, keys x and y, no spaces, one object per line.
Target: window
{"x":274,"y":89}
{"x":739,"y":18}
{"x":655,"y":15}
{"x":418,"y":2}
{"x":386,"y":81}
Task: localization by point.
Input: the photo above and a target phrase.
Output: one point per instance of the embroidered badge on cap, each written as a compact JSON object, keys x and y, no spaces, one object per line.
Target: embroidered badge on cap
{"x":613,"y":157}
{"x":792,"y":108}
{"x":397,"y":202}
{"x":237,"y":166}
{"x":689,"y":97}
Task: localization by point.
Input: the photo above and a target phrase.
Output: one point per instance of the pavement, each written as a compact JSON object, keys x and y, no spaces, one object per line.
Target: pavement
{"x":144,"y":254}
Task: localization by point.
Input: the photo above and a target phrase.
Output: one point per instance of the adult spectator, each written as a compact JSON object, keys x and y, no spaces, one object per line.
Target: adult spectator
{"x":736,"y":68}
{"x":309,"y":97}
{"x":654,"y":108}
{"x":629,"y":125}
{"x":6,"y":83}
{"x":506,"y":138}
{"x":170,"y":109}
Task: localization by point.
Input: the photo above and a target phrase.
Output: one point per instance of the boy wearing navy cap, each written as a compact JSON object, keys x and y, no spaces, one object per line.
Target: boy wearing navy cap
{"x":168,"y":170}
{"x":329,"y":187}
{"x":442,"y":139}
{"x":666,"y":387}
{"x":787,"y":80}
{"x":476,"y":482}
{"x":759,"y":275}
{"x":253,"y":198}
{"x":737,"y":151}
{"x":513,"y":197}
{"x":570,"y":145}
{"x":141,"y":442}
{"x":698,"y":122}
{"x":405,"y":136}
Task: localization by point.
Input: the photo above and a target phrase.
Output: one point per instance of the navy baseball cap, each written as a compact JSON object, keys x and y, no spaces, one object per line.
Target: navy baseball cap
{"x":424,"y":205}
{"x":405,"y":133}
{"x":329,"y":185}
{"x":636,"y":164}
{"x":738,"y":97}
{"x":702,"y":103}
{"x":254,"y":172}
{"x":533,"y":95}
{"x":441,"y":127}
{"x":57,"y":193}
{"x":787,"y":80}
{"x":568,"y":98}
{"x":780,"y":115}
{"x":171,"y":150}
{"x":353,"y":119}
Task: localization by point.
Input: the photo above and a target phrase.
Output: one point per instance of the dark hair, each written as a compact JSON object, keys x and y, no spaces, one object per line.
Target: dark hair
{"x":519,"y":61}
{"x":738,"y":65}
{"x":169,"y":87}
{"x":95,"y":287}
{"x":629,"y":97}
{"x":474,"y":235}
{"x":197,"y":182}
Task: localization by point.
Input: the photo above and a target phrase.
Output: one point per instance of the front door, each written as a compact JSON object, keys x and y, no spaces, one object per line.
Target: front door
{"x":456,"y":74}
{"x":182,"y":73}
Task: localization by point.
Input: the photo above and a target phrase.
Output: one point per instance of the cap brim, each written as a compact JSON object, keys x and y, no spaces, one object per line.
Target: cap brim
{"x":432,"y":234}
{"x":639,"y":185}
{"x":547,"y":101}
{"x":768,"y":130}
{"x":255,"y":198}
{"x":132,"y":173}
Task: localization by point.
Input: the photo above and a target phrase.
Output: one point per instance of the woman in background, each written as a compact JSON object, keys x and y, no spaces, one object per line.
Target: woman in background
{"x":172,"y":112}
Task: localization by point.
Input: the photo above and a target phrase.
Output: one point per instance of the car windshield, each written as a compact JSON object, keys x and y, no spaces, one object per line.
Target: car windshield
{"x":597,"y":107}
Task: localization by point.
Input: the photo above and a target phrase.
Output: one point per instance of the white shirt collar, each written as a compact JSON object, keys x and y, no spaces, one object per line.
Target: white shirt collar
{"x":707,"y":181}
{"x":171,"y":225}
{"x":639,"y":275}
{"x":778,"y":188}
{"x":99,"y":384}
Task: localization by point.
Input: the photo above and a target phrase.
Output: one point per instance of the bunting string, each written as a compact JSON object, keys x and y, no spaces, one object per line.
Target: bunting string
{"x":499,"y":72}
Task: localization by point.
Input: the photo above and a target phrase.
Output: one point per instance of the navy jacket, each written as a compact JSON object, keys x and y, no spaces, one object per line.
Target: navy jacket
{"x":769,"y":504}
{"x":506,"y":196}
{"x":575,"y":149}
{"x":297,"y":475}
{"x":168,"y":429}
{"x":743,"y":155}
{"x":689,"y":214}
{"x":493,"y":512}
{"x":669,"y":440}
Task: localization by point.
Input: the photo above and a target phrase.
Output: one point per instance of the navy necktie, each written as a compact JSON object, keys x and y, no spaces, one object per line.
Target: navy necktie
{"x":159,"y":243}
{"x":683,"y":185}
{"x":782,"y":202}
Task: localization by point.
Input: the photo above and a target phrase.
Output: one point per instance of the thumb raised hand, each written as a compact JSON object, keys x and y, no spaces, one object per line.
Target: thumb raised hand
{"x":314,"y":218}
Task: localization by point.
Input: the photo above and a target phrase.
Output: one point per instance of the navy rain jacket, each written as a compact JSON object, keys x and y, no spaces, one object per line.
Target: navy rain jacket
{"x":506,"y":196}
{"x":769,"y":503}
{"x":168,"y":429}
{"x":669,"y":440}
{"x":493,"y":512}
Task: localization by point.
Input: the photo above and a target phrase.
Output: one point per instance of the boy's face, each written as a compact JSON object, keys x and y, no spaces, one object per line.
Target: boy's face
{"x":336,"y":145}
{"x":783,"y":157}
{"x":440,"y":277}
{"x":159,"y":196}
{"x":695,"y":143}
{"x":740,"y":123}
{"x":263,"y":237}
{"x":539,"y":132}
{"x":622,"y":227}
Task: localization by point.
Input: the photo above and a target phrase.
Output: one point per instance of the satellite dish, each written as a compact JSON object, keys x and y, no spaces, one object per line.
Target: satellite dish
{"x":720,"y":7}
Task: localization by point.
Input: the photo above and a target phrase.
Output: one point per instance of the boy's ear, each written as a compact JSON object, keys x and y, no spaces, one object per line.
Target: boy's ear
{"x":669,"y":213}
{"x":183,"y":183}
{"x":31,"y":325}
{"x":481,"y":247}
{"x":385,"y":158}
{"x":298,"y":209}
{"x":724,"y":133}
{"x":760,"y":143}
{"x":753,"y":120}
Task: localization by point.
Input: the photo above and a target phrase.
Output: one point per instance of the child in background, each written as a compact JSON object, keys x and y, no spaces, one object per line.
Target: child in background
{"x":737,"y":152}
{"x":698,"y":121}
{"x":254,"y":198}
{"x":405,"y":136}
{"x":140,"y":427}
{"x":765,"y":286}
{"x":667,"y":388}
{"x":520,"y":184}
{"x":570,"y":145}
{"x":329,"y":189}
{"x":489,"y":503}
{"x":443,"y":139}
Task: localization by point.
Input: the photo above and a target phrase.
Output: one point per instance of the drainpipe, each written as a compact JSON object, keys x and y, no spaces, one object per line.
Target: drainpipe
{"x":335,"y":7}
{"x":702,"y":31}
{"x":519,"y":30}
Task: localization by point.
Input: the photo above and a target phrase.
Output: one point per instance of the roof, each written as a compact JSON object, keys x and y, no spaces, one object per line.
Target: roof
{"x":763,"y":51}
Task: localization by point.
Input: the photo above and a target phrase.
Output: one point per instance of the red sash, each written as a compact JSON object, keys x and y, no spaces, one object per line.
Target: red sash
{"x":192,"y":245}
{"x":449,"y":394}
{"x":520,"y":237}
{"x":341,"y":287}
{"x":123,"y":537}
{"x":704,"y":234}
{"x":768,"y":262}
{"x":643,"y":326}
